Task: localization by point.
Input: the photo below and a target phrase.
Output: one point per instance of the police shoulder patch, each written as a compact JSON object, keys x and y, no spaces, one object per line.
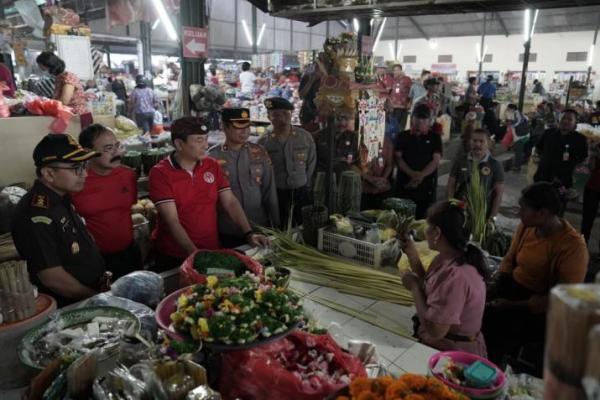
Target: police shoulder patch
{"x":40,"y":201}
{"x":40,"y":219}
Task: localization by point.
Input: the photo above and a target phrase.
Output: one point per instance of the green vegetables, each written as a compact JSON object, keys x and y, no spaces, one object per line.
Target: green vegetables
{"x":476,"y":205}
{"x":209,"y":263}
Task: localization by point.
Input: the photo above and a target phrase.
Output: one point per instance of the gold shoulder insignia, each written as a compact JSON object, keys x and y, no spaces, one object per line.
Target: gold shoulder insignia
{"x":40,"y":201}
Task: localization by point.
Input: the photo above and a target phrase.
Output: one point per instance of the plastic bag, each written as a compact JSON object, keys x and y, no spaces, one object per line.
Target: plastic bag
{"x":260,"y":373}
{"x":143,"y":313}
{"x":140,"y":286}
{"x":189,"y":276}
{"x":425,"y":254}
{"x":508,"y":138}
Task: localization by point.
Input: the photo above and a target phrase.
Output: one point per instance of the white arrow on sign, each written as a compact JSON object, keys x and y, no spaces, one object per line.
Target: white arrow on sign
{"x":196,"y":47}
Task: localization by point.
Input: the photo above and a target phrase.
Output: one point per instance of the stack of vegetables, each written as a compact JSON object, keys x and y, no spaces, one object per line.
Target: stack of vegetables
{"x":407,"y":387}
{"x":236,"y":310}
{"x":125,"y":128}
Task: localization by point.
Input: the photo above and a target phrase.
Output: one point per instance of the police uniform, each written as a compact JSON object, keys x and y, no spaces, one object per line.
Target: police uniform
{"x":46,"y":229}
{"x":251,"y":179}
{"x":294,"y":161}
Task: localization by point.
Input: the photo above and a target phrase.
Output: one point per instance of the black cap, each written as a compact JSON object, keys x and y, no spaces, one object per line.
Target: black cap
{"x":238,"y":117}
{"x":490,"y":78}
{"x":431,"y":81}
{"x":58,"y":147}
{"x":278,"y":103}
{"x":421,"y":111}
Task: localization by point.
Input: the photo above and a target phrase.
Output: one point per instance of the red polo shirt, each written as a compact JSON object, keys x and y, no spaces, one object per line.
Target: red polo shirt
{"x":195,"y":196}
{"x":105,"y":204}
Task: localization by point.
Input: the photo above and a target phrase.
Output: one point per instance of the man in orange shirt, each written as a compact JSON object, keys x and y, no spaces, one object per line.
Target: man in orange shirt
{"x":106,"y":199}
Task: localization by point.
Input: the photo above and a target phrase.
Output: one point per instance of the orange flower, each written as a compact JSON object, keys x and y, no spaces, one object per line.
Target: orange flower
{"x":380,"y":385}
{"x":397,"y":389}
{"x":414,"y":396}
{"x":342,"y":398}
{"x":415,"y":382}
{"x":360,"y":385}
{"x":367,"y":396}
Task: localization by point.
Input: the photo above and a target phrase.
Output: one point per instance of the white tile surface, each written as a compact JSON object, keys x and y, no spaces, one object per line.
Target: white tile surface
{"x":324,"y":316}
{"x":415,"y":359}
{"x":303,"y":287}
{"x":389,"y":346}
{"x":354,"y":302}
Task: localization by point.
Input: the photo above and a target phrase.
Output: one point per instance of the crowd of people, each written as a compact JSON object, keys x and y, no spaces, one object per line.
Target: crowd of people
{"x":219,"y":198}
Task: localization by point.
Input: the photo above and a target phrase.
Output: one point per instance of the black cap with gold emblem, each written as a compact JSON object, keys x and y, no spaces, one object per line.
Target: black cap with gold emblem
{"x":238,"y":117}
{"x":278,"y":103}
{"x":60,"y":148}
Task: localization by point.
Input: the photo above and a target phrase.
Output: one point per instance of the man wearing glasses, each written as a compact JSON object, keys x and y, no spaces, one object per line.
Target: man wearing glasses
{"x":62,"y":257}
{"x":106,"y":199}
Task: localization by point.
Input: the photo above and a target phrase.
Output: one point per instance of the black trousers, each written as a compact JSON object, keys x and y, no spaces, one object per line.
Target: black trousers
{"x":591,"y":200}
{"x":299,"y":197}
{"x":506,"y":331}
{"x":486,"y":103}
{"x":401,"y":115}
{"x":124,"y":261}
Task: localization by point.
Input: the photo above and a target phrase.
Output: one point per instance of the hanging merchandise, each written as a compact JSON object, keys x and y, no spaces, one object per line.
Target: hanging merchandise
{"x":371,"y":120}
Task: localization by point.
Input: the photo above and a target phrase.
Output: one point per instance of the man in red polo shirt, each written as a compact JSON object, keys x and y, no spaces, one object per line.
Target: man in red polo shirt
{"x":106,"y":199}
{"x":186,"y":188}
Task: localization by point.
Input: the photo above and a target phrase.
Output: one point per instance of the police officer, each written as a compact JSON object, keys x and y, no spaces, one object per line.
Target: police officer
{"x":248,"y":168}
{"x":292,"y":151}
{"x":62,"y":258}
{"x":345,"y":144}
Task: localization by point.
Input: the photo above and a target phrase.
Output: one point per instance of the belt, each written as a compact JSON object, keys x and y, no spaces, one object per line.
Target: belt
{"x":460,"y":338}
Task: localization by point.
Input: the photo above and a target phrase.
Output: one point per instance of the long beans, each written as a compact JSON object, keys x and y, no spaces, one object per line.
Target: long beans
{"x":312,"y":266}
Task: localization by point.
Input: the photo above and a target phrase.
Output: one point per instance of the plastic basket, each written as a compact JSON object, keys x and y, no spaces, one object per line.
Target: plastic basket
{"x":346,"y":247}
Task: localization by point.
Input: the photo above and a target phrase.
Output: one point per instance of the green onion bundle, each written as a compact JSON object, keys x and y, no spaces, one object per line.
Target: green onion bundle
{"x":311,"y":266}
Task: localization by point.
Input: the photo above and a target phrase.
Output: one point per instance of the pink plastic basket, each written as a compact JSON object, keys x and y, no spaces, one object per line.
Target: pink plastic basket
{"x":468,"y":359}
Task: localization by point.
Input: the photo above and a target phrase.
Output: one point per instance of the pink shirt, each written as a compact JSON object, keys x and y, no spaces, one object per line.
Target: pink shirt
{"x":456,"y":296}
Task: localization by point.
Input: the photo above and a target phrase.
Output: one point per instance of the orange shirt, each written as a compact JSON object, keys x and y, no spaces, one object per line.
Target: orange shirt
{"x":540,"y":263}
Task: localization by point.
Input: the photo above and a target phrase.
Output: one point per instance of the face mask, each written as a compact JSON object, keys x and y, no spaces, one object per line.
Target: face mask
{"x":45,"y":74}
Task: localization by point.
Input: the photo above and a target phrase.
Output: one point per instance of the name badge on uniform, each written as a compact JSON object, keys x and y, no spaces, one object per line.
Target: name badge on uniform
{"x":301,"y":157}
{"x":75,"y":248}
{"x":566,"y":156}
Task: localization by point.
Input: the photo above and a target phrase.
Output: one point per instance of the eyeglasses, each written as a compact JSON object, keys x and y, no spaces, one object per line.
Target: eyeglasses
{"x":111,"y":148}
{"x":77,"y":168}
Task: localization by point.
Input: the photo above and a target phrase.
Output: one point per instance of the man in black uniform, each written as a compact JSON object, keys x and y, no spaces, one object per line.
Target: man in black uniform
{"x":61,"y":256}
{"x":418,"y":154}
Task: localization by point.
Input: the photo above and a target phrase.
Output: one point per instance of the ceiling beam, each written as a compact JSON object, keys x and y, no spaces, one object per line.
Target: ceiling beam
{"x":418,"y":27}
{"x":501,"y":22}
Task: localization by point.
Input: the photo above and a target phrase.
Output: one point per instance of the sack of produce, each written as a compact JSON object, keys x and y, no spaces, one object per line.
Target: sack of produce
{"x":221,"y":263}
{"x":401,"y":206}
{"x":144,"y":287}
{"x":125,"y":124}
{"x":299,"y":366}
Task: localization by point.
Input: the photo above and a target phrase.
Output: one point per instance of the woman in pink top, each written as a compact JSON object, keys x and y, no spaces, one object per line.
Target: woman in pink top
{"x":67,"y":88}
{"x":450,"y":296}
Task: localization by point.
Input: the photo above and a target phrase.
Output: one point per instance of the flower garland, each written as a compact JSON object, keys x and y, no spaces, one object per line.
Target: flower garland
{"x":407,"y":387}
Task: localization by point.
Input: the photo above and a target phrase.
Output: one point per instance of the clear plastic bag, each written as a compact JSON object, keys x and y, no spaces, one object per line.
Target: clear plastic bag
{"x":144,"y":313}
{"x":140,"y":286}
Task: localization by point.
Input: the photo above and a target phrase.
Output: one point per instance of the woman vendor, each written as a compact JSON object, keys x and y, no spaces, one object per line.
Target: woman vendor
{"x":450,"y":295}
{"x":546,"y":250}
{"x":68,"y":89}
